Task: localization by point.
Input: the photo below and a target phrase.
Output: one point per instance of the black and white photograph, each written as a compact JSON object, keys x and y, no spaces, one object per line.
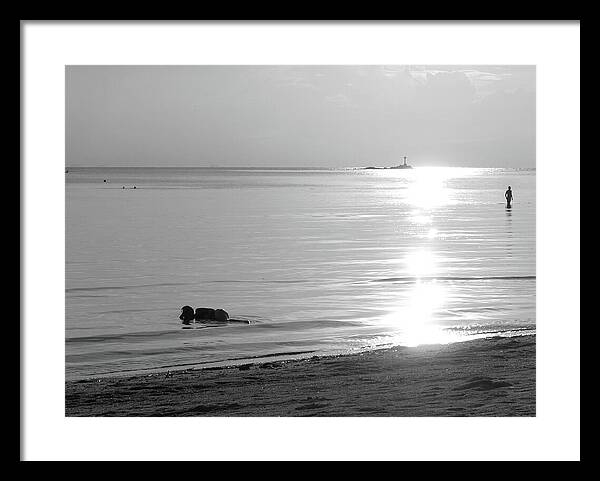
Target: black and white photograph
{"x":300,"y":240}
{"x":286,"y":239}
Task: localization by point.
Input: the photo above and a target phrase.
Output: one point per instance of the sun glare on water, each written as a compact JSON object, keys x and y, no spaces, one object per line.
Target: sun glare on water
{"x":414,"y":317}
{"x":421,"y":263}
{"x":427,"y":188}
{"x":412,"y":322}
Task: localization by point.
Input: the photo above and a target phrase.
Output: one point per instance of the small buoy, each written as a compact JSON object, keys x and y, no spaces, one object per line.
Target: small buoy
{"x":134,"y":187}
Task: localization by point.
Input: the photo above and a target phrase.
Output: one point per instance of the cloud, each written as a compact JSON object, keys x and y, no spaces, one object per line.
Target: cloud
{"x":445,"y":91}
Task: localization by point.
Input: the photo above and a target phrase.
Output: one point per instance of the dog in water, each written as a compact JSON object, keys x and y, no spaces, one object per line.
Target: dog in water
{"x":203,"y":314}
{"x":187,"y":314}
{"x":207,"y":315}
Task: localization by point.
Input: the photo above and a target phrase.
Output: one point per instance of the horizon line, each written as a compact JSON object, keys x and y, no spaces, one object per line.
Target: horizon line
{"x":281,"y":167}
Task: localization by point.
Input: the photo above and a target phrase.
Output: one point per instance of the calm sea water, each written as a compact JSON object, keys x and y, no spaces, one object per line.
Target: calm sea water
{"x":319,"y":262}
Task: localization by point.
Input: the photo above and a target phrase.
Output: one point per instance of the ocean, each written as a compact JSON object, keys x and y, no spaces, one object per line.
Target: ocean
{"x":319,"y":261}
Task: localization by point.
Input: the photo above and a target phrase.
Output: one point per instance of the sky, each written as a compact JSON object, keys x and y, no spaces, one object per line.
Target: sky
{"x":300,"y":116}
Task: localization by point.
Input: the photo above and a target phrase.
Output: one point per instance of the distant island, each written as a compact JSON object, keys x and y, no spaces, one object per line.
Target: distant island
{"x":401,"y":166}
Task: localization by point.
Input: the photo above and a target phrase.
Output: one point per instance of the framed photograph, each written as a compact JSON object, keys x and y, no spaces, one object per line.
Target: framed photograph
{"x":337,"y":234}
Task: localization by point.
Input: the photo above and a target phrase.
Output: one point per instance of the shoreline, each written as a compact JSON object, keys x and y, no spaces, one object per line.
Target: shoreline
{"x":481,"y":377}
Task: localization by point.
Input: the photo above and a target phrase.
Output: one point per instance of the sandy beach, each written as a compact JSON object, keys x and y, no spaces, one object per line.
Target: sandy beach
{"x":484,"y":377}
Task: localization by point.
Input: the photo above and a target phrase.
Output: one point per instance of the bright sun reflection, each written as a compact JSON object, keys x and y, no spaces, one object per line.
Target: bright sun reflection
{"x":420,"y":326}
{"x":420,"y":263}
{"x":414,"y":323}
{"x":427,"y":189}
{"x":413,"y":320}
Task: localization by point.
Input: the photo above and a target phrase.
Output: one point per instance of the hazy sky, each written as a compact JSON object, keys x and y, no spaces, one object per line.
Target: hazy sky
{"x":330,"y":116}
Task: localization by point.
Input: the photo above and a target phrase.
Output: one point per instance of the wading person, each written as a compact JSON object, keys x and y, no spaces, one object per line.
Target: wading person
{"x":509,"y":196}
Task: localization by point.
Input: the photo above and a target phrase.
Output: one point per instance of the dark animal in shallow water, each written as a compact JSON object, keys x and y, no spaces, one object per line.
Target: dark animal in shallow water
{"x":187,"y":314}
{"x":207,"y":314}
{"x":204,"y":314}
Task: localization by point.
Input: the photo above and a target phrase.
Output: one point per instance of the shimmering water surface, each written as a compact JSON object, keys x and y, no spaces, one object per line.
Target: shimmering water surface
{"x":319,"y":261}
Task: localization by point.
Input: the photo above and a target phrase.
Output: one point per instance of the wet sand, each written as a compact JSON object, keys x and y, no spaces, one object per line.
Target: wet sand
{"x":485,"y":377}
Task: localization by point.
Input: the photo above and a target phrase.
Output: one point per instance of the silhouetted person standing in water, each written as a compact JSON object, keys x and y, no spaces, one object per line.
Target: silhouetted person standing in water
{"x":508,"y":196}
